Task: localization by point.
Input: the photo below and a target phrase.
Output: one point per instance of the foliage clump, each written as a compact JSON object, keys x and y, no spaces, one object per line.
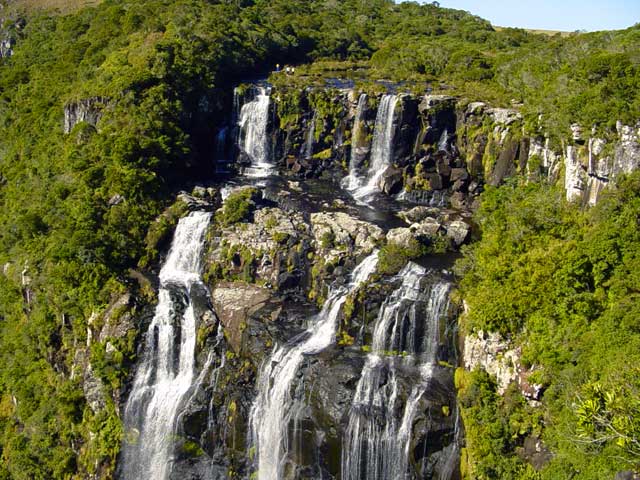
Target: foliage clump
{"x":237,"y":207}
{"x":563,"y":284}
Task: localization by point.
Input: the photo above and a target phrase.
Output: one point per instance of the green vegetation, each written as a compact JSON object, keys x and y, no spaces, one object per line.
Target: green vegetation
{"x":563,"y":284}
{"x":76,"y":209}
{"x":393,"y":257}
{"x":237,"y":207}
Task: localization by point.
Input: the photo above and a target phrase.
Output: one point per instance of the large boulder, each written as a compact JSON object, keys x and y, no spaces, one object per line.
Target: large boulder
{"x":418,"y":214}
{"x":391,"y":181}
{"x":271,"y":249}
{"x":339,"y":233}
{"x":457,"y":231}
{"x":234,"y":303}
{"x":402,"y":237}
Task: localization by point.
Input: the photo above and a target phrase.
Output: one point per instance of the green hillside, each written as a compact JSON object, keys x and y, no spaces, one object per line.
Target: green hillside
{"x":166,"y":69}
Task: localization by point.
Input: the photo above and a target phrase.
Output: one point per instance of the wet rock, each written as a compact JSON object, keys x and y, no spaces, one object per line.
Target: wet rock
{"x":457,"y":231}
{"x":391,"y":181}
{"x":458,"y":201}
{"x":457,"y":186}
{"x":194,"y":202}
{"x":443,"y":166}
{"x":434,"y":180}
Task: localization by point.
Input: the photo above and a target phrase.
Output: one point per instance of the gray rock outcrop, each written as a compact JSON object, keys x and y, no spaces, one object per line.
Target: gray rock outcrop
{"x":88,"y":110}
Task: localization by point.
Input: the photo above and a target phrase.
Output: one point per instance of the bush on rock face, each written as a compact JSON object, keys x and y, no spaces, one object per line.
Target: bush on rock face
{"x":393,"y":256}
{"x":237,"y":207}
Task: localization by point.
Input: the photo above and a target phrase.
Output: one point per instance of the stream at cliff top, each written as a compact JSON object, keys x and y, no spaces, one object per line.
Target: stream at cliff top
{"x":167,"y":371}
{"x":273,"y":408}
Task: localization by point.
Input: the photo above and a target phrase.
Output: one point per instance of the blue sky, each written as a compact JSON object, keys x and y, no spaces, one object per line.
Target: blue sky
{"x":569,"y":15}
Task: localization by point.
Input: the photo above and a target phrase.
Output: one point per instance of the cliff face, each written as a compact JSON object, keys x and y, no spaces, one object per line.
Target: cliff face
{"x":281,"y":247}
{"x":593,"y":162}
{"x":442,"y":145}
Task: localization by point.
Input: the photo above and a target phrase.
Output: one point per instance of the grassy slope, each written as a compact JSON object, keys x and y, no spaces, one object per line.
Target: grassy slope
{"x":61,"y":6}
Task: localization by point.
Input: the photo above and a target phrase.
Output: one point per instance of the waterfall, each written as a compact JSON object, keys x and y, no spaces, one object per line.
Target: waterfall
{"x":167,"y":371}
{"x":352,"y":181}
{"x":381,"y":150}
{"x":253,"y":138}
{"x":443,"y":143}
{"x":307,"y":149}
{"x":406,"y":334}
{"x":273,"y":409}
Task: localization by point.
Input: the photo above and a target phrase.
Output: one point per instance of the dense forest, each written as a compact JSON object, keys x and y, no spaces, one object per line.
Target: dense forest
{"x":75,"y":209}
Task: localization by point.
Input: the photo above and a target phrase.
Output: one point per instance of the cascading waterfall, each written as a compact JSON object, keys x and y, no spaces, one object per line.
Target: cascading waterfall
{"x":443,"y":143}
{"x":307,"y":152}
{"x":253,"y":137}
{"x":352,"y":181}
{"x":406,"y":335}
{"x":167,"y":371}
{"x":381,"y":150}
{"x":273,"y":410}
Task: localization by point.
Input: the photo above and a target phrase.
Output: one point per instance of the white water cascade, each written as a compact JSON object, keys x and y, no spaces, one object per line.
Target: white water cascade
{"x":273,"y":410}
{"x":406,"y":335}
{"x":307,"y":149}
{"x":167,"y":371}
{"x":253,"y":138}
{"x":381,"y":151}
{"x":352,"y":181}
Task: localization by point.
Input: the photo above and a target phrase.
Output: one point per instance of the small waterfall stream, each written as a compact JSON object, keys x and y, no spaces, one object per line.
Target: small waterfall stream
{"x":253,"y":138}
{"x":352,"y":181}
{"x":167,"y":370}
{"x":406,"y":335}
{"x":307,"y":148}
{"x":273,"y":409}
{"x":381,"y":151}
